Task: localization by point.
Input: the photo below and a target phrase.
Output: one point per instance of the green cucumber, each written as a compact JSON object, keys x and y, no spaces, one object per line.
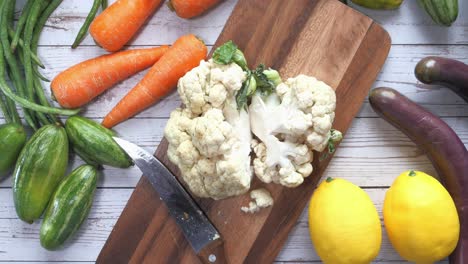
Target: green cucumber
{"x":12,"y":140}
{"x":68,"y":207}
{"x":86,"y":159}
{"x":379,"y":4}
{"x":40,"y":167}
{"x":443,"y":12}
{"x":94,"y":142}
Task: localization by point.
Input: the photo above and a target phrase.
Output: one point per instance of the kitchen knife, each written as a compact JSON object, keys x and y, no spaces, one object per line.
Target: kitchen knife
{"x":196,"y":227}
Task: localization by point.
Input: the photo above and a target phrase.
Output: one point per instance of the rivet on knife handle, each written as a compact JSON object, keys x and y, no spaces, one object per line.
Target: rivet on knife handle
{"x":213,"y":253}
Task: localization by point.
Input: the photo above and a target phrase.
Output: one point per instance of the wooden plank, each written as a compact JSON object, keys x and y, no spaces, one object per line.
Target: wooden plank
{"x":408,"y":25}
{"x":397,"y":73}
{"x":108,"y":204}
{"x":20,"y":241}
{"x":347,"y":53}
{"x":296,"y":249}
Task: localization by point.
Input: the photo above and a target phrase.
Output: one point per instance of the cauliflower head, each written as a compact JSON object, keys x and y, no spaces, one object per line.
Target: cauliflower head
{"x":209,"y":139}
{"x":290,"y":124}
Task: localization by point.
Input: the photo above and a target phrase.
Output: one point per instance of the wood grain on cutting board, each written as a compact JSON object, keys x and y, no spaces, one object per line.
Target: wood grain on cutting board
{"x":322,"y":38}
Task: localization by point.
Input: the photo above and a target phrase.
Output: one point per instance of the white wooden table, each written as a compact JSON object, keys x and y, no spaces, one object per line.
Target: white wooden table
{"x":372,"y":154}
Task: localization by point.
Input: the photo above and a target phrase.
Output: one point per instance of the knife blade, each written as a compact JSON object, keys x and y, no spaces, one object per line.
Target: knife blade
{"x":205,"y":240}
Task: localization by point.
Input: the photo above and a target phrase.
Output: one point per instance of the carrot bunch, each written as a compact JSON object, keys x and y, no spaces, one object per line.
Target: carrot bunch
{"x":112,"y":29}
{"x":162,"y":78}
{"x":83,"y":82}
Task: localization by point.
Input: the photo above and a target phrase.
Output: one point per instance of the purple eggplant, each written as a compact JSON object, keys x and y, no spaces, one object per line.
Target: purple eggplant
{"x":447,"y":72}
{"x":440,"y":143}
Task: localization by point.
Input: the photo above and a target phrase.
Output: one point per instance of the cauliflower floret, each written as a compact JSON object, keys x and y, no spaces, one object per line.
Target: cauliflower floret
{"x":211,"y":135}
{"x":308,"y":97}
{"x":181,"y":149}
{"x":209,"y":140}
{"x":234,"y":176}
{"x":261,"y":198}
{"x":290,"y":124}
{"x":209,"y":85}
{"x":294,"y":162}
{"x":179,"y":123}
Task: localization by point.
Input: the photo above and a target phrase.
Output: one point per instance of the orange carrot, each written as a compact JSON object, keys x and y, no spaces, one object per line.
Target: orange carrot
{"x":162,"y":78}
{"x":191,"y":8}
{"x":81,"y":83}
{"x":117,"y":24}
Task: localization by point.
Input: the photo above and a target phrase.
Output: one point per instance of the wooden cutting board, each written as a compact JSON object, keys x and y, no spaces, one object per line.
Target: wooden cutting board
{"x":322,"y":38}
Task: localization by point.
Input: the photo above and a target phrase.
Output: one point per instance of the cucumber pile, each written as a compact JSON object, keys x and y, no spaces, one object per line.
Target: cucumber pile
{"x":39,"y":165}
{"x":40,"y":186}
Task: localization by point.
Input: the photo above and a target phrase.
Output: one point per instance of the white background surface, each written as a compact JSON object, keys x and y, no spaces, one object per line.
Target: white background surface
{"x":372,"y":154}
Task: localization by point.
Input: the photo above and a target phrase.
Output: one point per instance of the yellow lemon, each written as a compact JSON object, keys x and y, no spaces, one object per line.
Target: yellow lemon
{"x":344,"y":224}
{"x":421,"y":218}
